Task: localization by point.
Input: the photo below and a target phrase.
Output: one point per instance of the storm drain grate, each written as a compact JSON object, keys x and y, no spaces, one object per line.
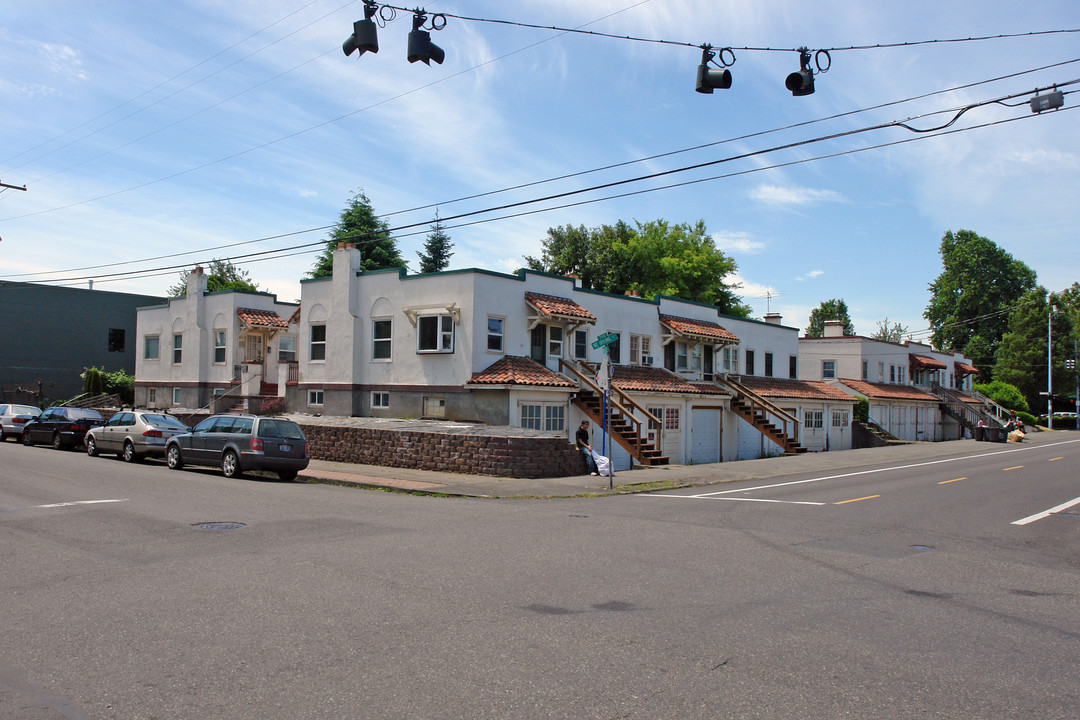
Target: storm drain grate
{"x":218,"y":526}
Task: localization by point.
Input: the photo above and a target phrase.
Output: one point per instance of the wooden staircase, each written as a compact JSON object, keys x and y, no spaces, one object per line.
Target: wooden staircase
{"x":969,"y":417}
{"x":624,"y":425}
{"x":756,"y":410}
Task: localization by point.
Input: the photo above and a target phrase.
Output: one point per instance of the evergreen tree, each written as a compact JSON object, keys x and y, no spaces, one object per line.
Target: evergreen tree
{"x":360,"y":225}
{"x":436,"y":254}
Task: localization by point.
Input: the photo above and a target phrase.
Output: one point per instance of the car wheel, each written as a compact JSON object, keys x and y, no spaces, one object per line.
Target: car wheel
{"x":26,"y":439}
{"x":57,"y":441}
{"x":91,"y":447}
{"x":287,"y":475}
{"x":129,"y":453}
{"x":230,"y":465}
{"x":3,"y":435}
{"x":173,"y":458}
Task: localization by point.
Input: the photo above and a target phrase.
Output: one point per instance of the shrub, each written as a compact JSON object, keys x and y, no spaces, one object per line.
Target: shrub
{"x":862,"y":410}
{"x":1006,"y":395}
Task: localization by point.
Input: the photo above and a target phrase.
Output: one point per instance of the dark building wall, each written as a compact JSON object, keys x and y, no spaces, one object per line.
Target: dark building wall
{"x":48,"y":334}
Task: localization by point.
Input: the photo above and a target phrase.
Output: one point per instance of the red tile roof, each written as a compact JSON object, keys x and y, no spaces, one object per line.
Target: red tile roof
{"x":513,"y":370}
{"x":558,"y":307}
{"x":965,"y":369}
{"x":794,"y":389}
{"x":261,"y":318}
{"x":922,"y":362}
{"x":883,"y":391}
{"x":698,"y":329}
{"x":642,"y":378}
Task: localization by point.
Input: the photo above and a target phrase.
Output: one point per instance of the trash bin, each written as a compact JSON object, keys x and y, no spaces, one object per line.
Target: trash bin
{"x":997,"y":434}
{"x":980,"y":433}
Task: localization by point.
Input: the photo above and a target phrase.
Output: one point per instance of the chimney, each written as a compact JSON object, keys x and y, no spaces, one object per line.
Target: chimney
{"x":196,"y":282}
{"x":833,"y":328}
{"x":773,"y":318}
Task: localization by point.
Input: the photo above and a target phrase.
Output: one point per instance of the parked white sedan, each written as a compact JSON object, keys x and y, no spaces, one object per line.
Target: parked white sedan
{"x":134,"y":435}
{"x":13,"y":417}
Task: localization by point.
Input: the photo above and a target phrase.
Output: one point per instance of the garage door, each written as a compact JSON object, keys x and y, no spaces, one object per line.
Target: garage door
{"x":705,"y":435}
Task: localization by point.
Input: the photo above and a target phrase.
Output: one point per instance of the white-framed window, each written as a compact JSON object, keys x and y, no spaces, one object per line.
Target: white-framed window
{"x":828,"y":369}
{"x":555,"y":417}
{"x":177,"y":348}
{"x":900,"y":373}
{"x":812,"y":419}
{"x":286,"y":348}
{"x":581,"y":344}
{"x":218,"y":392}
{"x":682,"y":355}
{"x":219,"y":347}
{"x":150,"y":347}
{"x":641,"y":350}
{"x":315,"y":397}
{"x":317,"y":346}
{"x":176,"y":396}
{"x":496,"y":331}
{"x":531,"y":415}
{"x":151,"y":397}
{"x":543,"y":416}
{"x":731,"y":360}
{"x":380,"y":399}
{"x":671,"y":418}
{"x":892,"y":373}
{"x":881,"y":372}
{"x":865,"y":373}
{"x":840,"y":418}
{"x":435,"y":334}
{"x":555,"y":341}
{"x":382,"y":343}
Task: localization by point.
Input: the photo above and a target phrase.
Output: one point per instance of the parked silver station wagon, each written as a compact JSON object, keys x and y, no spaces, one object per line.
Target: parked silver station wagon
{"x":237,"y":443}
{"x":134,"y":435}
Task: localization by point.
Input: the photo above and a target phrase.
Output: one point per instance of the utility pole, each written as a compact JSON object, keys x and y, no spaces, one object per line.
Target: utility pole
{"x":1050,"y":366}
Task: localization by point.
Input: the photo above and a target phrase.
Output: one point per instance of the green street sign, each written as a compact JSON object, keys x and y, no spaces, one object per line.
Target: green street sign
{"x":604,"y":340}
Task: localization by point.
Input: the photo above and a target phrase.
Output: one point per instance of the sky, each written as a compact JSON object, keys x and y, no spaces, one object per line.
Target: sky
{"x":152,"y":136}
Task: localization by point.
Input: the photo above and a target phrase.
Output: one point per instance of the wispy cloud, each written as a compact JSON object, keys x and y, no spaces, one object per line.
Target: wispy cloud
{"x":810,"y":275}
{"x":777,"y":195}
{"x":737,"y":242}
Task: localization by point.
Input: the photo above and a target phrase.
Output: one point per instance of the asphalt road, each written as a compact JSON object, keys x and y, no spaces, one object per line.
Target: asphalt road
{"x":904,"y":592}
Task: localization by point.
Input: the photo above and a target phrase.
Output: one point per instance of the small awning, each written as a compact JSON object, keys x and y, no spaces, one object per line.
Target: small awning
{"x":701,"y":330}
{"x":261,"y":318}
{"x":559,"y":308}
{"x":512,"y":370}
{"x":922,"y":362}
{"x":965,"y":369}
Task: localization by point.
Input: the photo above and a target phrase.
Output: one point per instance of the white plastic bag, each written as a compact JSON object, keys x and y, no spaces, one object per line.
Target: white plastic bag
{"x":603,"y":465}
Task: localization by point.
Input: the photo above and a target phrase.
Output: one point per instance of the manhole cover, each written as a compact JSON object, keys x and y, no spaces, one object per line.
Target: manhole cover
{"x":218,"y":526}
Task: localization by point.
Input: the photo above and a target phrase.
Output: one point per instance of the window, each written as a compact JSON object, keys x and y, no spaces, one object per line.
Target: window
{"x":768,"y":364}
{"x":116,"y":339}
{"x":793,"y":367}
{"x":435,"y":333}
{"x":177,"y":348}
{"x":892,"y":373}
{"x":495,"y":334}
{"x":176,"y":396}
{"x":613,"y":349}
{"x":900,"y":374}
{"x":555,"y":341}
{"x":531,"y":416}
{"x":581,"y":344}
{"x":864,"y":370}
{"x":286,"y":349}
{"x":671,"y":418}
{"x":641,"y":350}
{"x":682,"y":356}
{"x":555,"y":417}
{"x":315,"y":397}
{"x":380,"y":400}
{"x":381,"y":339}
{"x":219,"y":347}
{"x":881,"y":372}
{"x":150,"y":347}
{"x":317,"y":345}
{"x":731,"y":360}
{"x":151,"y":397}
{"x":828,"y":368}
{"x":812,"y":419}
{"x":749,"y":362}
{"x":218,"y":392}
{"x":840,"y":418}
{"x":543,"y":416}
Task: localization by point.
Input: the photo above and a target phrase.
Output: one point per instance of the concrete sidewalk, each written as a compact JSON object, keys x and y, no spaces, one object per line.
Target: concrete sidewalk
{"x":650,"y":479}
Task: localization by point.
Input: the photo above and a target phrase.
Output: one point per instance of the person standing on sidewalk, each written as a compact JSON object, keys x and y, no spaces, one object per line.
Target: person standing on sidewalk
{"x":584,"y":447}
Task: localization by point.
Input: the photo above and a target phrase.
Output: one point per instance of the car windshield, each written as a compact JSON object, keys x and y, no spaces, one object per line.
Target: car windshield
{"x":280,"y":429}
{"x":167,"y":421}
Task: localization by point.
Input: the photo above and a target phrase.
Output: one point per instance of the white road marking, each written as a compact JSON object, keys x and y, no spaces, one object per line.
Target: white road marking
{"x":1047,"y":513}
{"x":80,"y":502}
{"x":735,"y":499}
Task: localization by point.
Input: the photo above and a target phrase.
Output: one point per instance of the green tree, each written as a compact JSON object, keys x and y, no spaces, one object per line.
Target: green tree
{"x":1021,"y":355}
{"x":360,"y":225}
{"x":835,"y":309}
{"x":970,"y":299}
{"x":436,"y":254}
{"x":653,"y":258}
{"x":887,"y":333}
{"x":1006,"y":395}
{"x":222,"y":275}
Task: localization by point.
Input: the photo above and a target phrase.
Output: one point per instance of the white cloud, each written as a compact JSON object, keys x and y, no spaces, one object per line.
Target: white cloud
{"x":731,"y":241}
{"x":777,"y":195}
{"x":810,"y":275}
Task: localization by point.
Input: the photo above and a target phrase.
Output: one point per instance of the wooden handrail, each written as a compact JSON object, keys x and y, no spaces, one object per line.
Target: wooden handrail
{"x":757,"y":400}
{"x":620,"y":402}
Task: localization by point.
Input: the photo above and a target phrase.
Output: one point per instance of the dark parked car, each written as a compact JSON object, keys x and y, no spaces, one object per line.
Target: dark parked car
{"x":61,"y":426}
{"x":134,"y":435}
{"x":236,"y":443}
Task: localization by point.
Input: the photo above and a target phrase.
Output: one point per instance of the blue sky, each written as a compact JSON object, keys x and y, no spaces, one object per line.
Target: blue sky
{"x":147,"y":129}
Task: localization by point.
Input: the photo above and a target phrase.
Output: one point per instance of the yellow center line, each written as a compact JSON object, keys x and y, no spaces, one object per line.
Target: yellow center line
{"x":1014,"y":467}
{"x":946,"y":482}
{"x":868,"y":497}
{"x":1057,"y":458}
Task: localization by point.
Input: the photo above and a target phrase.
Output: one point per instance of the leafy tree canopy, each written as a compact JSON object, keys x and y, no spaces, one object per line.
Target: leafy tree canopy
{"x":970,"y":299}
{"x":1006,"y":395}
{"x":222,"y":275}
{"x":894,"y":333}
{"x":835,"y":309}
{"x":652,"y":258}
{"x":437,"y":250}
{"x":360,"y":225}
